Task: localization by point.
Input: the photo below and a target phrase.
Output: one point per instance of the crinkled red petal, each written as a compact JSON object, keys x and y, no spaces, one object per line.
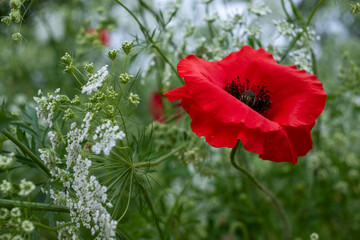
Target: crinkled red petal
{"x":297,"y":97}
{"x":283,"y":135}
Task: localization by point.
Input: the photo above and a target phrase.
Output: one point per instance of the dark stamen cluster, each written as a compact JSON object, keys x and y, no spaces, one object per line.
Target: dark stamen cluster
{"x":256,"y":97}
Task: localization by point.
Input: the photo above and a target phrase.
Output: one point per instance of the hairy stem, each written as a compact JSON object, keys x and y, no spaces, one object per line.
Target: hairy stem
{"x":279,"y":209}
{"x":33,"y":205}
{"x":27,"y":151}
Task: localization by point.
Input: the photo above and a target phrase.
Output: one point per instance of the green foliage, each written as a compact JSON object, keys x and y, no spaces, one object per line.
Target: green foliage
{"x":163,"y":181}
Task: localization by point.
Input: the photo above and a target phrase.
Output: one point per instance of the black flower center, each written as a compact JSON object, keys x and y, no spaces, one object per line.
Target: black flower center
{"x":258,"y":98}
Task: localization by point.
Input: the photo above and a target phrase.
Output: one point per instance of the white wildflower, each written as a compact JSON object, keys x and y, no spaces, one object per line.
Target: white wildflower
{"x":5,"y":187}
{"x":6,"y":236}
{"x":15,"y":212}
{"x":96,"y":81}
{"x":55,"y":138}
{"x":302,"y":59}
{"x":15,"y":222}
{"x":134,"y":98}
{"x":4,"y":213}
{"x":314,"y":236}
{"x":6,"y":162}
{"x":259,"y":10}
{"x":17,"y":237}
{"x":106,"y":135}
{"x":48,"y":156}
{"x":342,"y":187}
{"x":253,"y":30}
{"x":47,"y":106}
{"x":26,"y":188}
{"x":285,"y":28}
{"x":27,"y":226}
{"x":89,"y":198}
{"x":67,"y":233}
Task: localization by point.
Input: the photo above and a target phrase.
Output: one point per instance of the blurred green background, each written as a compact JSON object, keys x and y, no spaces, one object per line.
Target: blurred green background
{"x":321,"y":193}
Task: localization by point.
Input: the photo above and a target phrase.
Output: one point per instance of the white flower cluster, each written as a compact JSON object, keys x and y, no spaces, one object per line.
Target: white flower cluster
{"x":26,"y":188}
{"x":47,"y":106}
{"x":48,"y":156}
{"x":6,"y":187}
{"x":55,"y":138}
{"x":302,"y":59}
{"x":314,"y":236}
{"x":106,"y":136}
{"x":96,"y":81}
{"x":85,"y":197}
{"x":27,"y":226}
{"x":259,"y":10}
{"x":67,"y":233}
{"x":6,"y":162}
{"x":285,"y":28}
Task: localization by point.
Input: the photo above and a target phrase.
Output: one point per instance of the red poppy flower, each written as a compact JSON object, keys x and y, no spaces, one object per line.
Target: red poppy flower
{"x":247,"y":95}
{"x":156,"y":106}
{"x":102,"y":35}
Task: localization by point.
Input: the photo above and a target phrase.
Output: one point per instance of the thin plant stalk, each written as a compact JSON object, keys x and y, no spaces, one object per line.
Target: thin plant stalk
{"x":6,"y":203}
{"x":279,"y":209}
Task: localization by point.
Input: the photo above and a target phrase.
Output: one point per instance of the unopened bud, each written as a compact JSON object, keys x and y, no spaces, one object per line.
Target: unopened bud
{"x":125,"y":78}
{"x":15,"y":15}
{"x":112,"y":54}
{"x":6,"y":20}
{"x":89,"y":68}
{"x":15,"y":4}
{"x":17,"y":37}
{"x":127,"y":47}
{"x":66,"y":59}
{"x":355,"y":9}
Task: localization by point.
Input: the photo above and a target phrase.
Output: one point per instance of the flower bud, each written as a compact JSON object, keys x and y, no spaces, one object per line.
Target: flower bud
{"x":69,"y":114}
{"x":110,"y":93}
{"x":355,"y":9}
{"x":15,"y":15}
{"x":89,"y":68}
{"x":66,"y":59}
{"x":15,"y":4}
{"x":112,"y":54}
{"x":127,"y":47}
{"x":76,"y":100}
{"x":6,"y":20}
{"x":134,"y":98}
{"x":17,"y":37}
{"x":69,"y":69}
{"x":125,"y":78}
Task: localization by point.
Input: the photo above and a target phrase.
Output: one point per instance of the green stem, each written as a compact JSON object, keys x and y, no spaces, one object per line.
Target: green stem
{"x":157,"y":162}
{"x":285,"y":11}
{"x":126,"y":57}
{"x":149,"y":38}
{"x":298,"y":36}
{"x":54,"y":229}
{"x":280,"y":210}
{"x":27,"y":151}
{"x":79,"y":72}
{"x":77,"y":79}
{"x":33,"y":205}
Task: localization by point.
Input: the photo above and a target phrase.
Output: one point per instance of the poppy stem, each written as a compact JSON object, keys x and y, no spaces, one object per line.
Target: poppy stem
{"x":279,"y":208}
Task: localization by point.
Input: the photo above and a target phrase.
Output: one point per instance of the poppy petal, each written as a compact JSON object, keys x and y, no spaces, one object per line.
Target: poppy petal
{"x":297,"y":97}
